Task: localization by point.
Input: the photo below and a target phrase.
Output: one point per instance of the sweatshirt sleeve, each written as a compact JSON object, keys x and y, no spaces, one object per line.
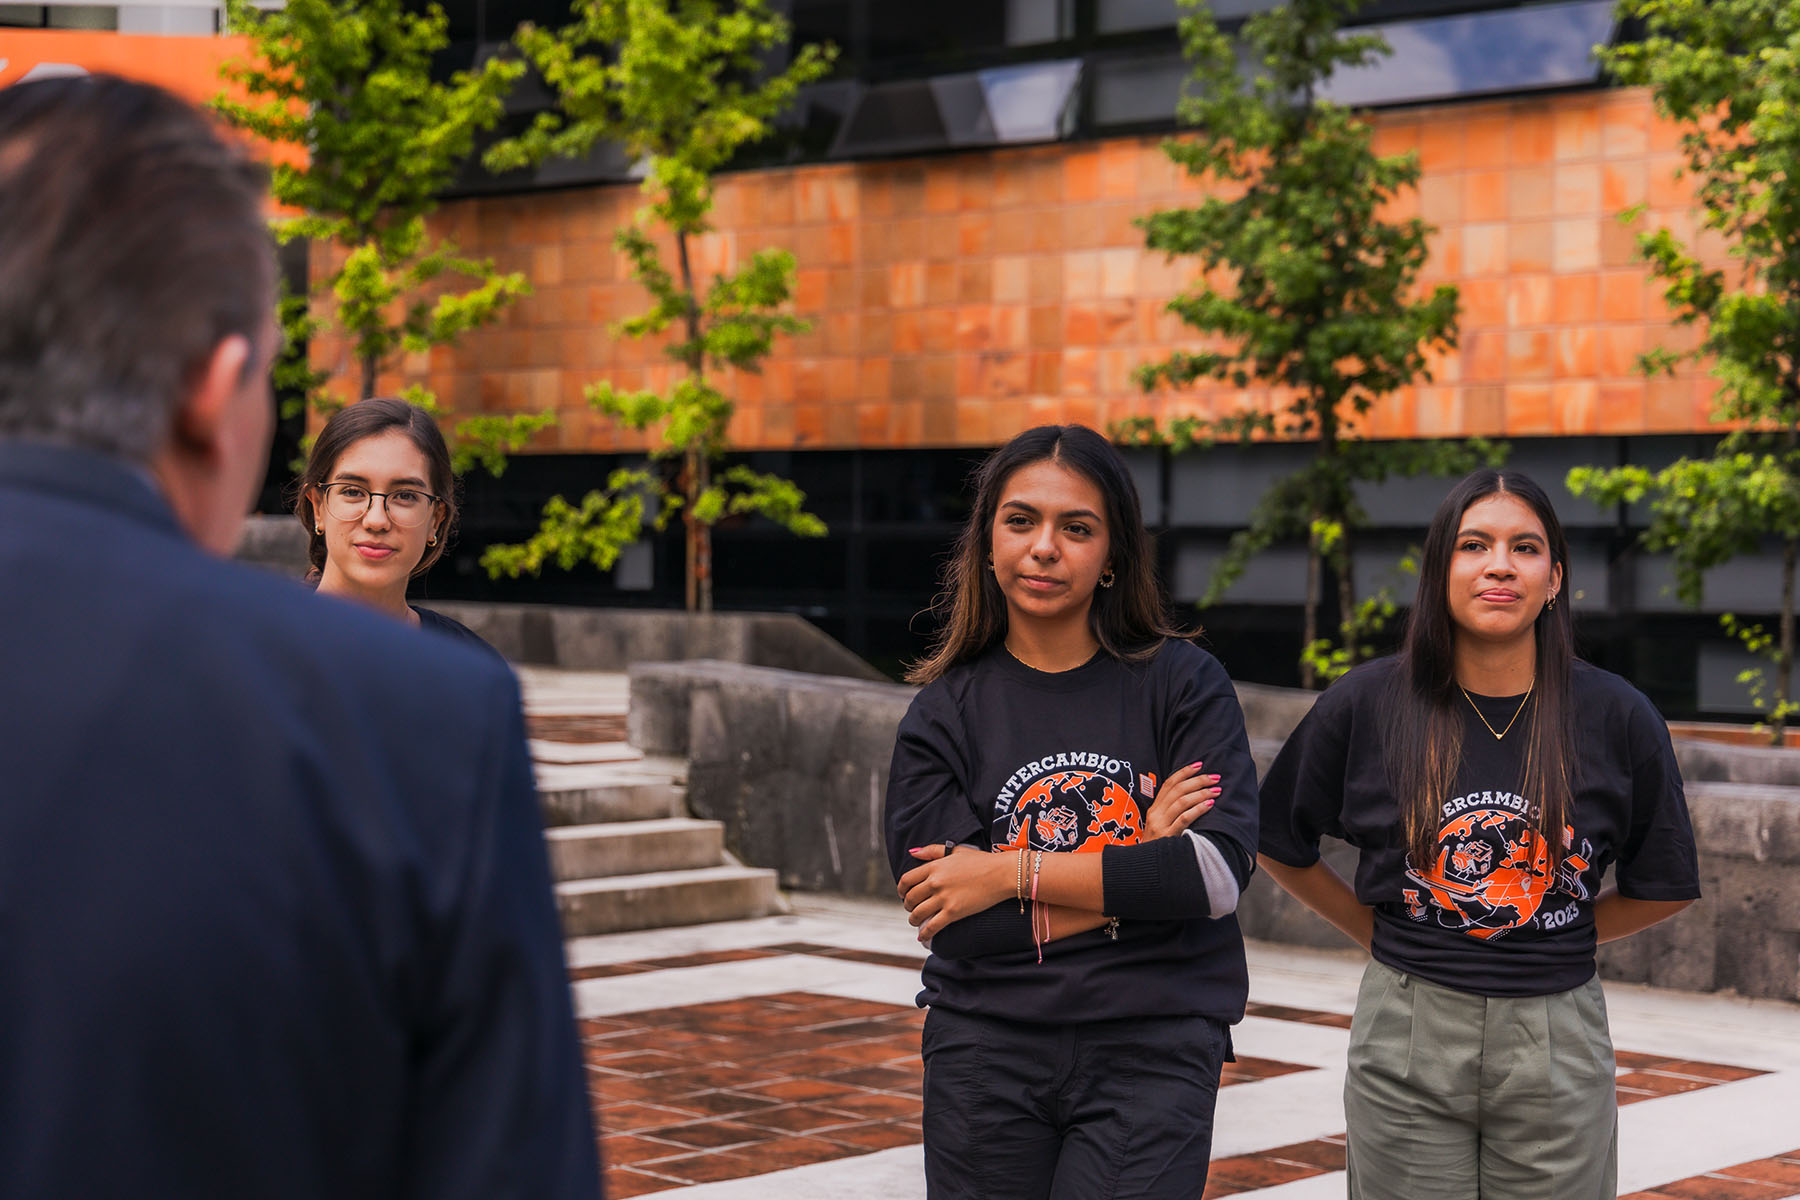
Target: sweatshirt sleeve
{"x":1202,"y":722}
{"x":927,"y":791}
{"x":928,"y":801}
{"x":1303,"y":793}
{"x":1002,"y":929}
{"x":1658,"y":860}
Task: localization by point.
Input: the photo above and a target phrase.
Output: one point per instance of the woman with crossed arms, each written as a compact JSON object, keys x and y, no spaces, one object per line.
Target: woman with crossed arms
{"x":1070,"y":815}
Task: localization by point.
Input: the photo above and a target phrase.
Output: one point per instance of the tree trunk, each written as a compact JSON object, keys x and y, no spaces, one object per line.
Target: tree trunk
{"x":700,"y":597}
{"x":370,"y":368}
{"x":1314,"y":588}
{"x":697,"y":470}
{"x":1325,"y":410}
{"x":691,"y":529}
{"x":1784,"y":657}
{"x":1346,"y":590}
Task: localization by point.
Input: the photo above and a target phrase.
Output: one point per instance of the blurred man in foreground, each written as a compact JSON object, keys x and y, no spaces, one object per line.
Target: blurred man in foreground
{"x":275,"y":917}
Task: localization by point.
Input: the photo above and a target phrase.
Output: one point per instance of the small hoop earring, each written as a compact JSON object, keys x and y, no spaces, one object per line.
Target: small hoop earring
{"x":318,"y":529}
{"x":1106,"y":577}
{"x":1550,"y":603}
{"x":432,"y":540}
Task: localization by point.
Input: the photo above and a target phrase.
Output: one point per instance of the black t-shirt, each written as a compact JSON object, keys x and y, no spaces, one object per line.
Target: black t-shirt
{"x":1485,"y":916}
{"x":996,"y":754}
{"x":437,"y":622}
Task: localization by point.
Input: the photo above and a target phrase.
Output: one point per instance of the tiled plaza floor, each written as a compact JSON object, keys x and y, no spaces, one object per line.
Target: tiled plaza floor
{"x":779,"y":1059}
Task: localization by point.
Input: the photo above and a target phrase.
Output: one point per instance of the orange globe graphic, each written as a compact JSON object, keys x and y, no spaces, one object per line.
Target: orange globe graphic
{"x":1071,"y":811}
{"x":1490,"y":874}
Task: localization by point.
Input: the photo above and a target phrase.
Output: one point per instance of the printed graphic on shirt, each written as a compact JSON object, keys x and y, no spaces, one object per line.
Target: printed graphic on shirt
{"x":1147,"y":785}
{"x":1490,"y":872}
{"x":1067,"y":802}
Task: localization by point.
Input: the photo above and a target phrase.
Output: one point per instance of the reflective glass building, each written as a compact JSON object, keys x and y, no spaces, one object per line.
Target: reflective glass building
{"x":960,"y":196}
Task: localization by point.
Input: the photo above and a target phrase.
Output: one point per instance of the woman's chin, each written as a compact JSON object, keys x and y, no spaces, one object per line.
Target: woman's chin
{"x":1047,"y":609}
{"x":375,"y":577}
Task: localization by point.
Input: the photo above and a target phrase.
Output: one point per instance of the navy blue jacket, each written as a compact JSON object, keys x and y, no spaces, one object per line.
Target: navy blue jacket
{"x":275,"y":913}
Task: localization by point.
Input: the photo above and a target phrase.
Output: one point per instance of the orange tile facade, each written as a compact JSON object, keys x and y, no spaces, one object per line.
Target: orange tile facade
{"x":187,"y":66}
{"x":959,"y":299}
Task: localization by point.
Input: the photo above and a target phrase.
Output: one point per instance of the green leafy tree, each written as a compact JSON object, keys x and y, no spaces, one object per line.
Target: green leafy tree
{"x":1728,"y":72}
{"x":1315,"y":293}
{"x":682,"y":85}
{"x":367,"y":139}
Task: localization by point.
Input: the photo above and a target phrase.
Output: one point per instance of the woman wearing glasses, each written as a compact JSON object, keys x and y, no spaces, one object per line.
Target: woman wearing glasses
{"x":377,"y":499}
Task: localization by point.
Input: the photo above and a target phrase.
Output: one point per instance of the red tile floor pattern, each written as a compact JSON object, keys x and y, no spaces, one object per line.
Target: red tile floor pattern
{"x":742,"y":1087}
{"x":582,"y":728}
{"x":1764,"y":1179}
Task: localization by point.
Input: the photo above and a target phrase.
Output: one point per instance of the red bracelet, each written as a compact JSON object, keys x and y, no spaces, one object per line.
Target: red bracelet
{"x":1037,"y":940}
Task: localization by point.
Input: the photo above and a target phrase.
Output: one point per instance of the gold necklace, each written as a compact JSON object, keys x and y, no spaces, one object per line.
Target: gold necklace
{"x":1498,"y":733}
{"x":1021,"y":659}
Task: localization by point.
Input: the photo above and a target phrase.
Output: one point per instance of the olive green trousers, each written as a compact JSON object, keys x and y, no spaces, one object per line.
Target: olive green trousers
{"x":1454,"y":1096}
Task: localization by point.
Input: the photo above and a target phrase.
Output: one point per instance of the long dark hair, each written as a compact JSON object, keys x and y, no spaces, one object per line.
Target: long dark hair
{"x":1425,"y":745}
{"x":372,"y":418}
{"x":1129,"y":619}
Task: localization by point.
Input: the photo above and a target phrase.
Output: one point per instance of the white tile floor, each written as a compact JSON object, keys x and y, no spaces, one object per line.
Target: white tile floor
{"x":1661,"y":1140}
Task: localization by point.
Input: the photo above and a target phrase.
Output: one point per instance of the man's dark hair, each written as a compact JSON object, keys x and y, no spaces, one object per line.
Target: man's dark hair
{"x":132,"y":241}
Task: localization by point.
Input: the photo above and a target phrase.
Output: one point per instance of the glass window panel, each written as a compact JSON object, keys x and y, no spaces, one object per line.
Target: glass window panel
{"x":178,"y":20}
{"x":934,"y":28}
{"x":907,"y":562}
{"x":1123,"y":16}
{"x":83,"y":16}
{"x":25,"y":16}
{"x":1517,"y":49}
{"x":950,"y":29}
{"x":1127,"y":16}
{"x":1033,"y":102}
{"x":821,"y":21}
{"x":1034,"y":22}
{"x":1030,"y":103}
{"x":892,"y":116}
{"x":501,"y":21}
{"x":1228,"y":9}
{"x":462,"y":20}
{"x":1128,"y":91}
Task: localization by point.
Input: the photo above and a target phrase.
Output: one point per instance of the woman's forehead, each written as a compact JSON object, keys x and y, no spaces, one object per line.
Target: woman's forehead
{"x":1502,"y":512}
{"x":1049,"y":485}
{"x":386,"y":456}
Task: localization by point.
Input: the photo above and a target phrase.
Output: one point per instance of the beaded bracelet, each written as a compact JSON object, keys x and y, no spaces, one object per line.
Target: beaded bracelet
{"x":1037,"y":865}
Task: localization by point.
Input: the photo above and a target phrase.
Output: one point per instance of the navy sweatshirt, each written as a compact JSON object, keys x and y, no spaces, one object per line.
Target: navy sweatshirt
{"x":998,"y":755}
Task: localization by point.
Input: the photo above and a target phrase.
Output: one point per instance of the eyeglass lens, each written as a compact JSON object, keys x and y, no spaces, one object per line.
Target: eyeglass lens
{"x":349,"y":501}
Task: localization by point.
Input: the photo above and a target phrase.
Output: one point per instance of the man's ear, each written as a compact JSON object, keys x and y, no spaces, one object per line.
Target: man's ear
{"x":206,"y":406}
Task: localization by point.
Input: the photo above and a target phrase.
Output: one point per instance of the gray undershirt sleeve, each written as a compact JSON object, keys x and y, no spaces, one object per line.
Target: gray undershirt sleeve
{"x":1221,"y":885}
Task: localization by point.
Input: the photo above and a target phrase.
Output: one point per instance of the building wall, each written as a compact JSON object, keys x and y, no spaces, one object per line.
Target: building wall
{"x":187,"y":66}
{"x":960,"y":298}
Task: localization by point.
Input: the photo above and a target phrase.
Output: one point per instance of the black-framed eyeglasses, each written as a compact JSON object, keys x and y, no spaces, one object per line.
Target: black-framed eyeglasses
{"x":405,"y":507}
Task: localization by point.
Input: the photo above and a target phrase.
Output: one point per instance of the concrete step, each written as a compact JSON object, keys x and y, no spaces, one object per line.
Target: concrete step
{"x":550,"y":753}
{"x":590,"y":793}
{"x":663,"y":898}
{"x":648,"y":800}
{"x":634,"y":847}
